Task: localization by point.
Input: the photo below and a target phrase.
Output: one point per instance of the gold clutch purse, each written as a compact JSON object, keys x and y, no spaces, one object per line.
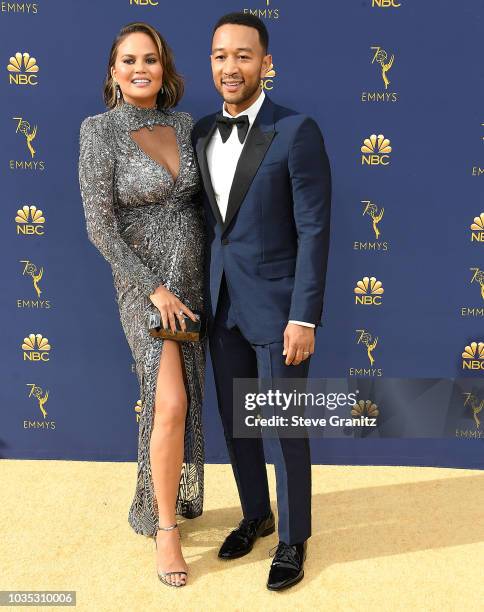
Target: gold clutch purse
{"x":195,"y":330}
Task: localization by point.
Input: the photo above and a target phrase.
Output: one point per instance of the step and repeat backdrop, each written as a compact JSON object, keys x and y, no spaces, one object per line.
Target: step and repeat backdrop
{"x":397,"y":89}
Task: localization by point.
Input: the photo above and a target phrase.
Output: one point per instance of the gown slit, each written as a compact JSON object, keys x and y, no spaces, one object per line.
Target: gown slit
{"x":158,"y":357}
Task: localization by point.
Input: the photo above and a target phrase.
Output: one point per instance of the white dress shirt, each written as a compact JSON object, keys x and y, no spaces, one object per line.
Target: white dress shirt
{"x":222,"y":159}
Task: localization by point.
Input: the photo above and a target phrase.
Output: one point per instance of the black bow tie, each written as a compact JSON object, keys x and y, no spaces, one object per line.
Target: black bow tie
{"x":225,"y":125}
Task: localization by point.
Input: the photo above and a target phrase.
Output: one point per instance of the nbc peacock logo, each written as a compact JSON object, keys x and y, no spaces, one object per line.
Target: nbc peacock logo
{"x":368,"y":291}
{"x":267,"y":82}
{"x":473,"y":356}
{"x":376,"y":151}
{"x":477,"y":229}
{"x":30,"y":221}
{"x":36,"y":347}
{"x":138,"y":407}
{"x":23,"y":69}
{"x":365,"y":408}
{"x":364,"y":415}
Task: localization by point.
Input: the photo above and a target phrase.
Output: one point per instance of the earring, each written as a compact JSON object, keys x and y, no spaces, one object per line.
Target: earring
{"x":117,"y":89}
{"x":162,"y":90}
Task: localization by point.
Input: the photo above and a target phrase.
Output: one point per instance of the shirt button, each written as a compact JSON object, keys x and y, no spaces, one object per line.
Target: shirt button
{"x":225,"y":241}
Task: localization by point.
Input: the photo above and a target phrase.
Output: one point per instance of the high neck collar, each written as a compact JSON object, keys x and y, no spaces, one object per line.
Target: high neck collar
{"x":133,"y":116}
{"x":127,"y":107}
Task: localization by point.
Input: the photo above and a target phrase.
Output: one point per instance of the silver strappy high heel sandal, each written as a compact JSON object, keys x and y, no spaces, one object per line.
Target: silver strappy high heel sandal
{"x":162,"y":575}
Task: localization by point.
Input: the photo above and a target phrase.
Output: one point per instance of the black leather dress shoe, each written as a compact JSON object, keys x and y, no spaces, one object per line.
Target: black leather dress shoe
{"x":240,"y":541}
{"x":287,"y":566}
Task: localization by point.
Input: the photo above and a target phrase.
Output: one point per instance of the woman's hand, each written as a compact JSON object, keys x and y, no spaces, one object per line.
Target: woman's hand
{"x":170,"y":307}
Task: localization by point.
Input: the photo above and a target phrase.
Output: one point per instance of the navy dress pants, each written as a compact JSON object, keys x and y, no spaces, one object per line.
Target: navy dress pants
{"x":233,"y":356}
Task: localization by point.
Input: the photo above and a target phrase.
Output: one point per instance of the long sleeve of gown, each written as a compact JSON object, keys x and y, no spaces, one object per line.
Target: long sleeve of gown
{"x":96,"y":178}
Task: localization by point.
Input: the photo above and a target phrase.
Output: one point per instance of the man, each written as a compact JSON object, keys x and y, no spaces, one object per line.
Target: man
{"x":267,"y":205}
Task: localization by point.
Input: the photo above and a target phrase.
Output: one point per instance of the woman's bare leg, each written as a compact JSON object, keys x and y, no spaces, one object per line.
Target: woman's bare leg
{"x":166,"y":455}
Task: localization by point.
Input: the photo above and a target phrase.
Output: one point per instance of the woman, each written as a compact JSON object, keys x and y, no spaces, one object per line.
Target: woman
{"x":138,"y":178}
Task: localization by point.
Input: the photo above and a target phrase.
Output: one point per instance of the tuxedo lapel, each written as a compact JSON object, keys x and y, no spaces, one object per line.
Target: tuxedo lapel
{"x":202,"y":145}
{"x":256,"y":145}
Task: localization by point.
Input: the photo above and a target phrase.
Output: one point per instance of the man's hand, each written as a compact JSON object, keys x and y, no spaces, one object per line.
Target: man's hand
{"x":298,"y":343}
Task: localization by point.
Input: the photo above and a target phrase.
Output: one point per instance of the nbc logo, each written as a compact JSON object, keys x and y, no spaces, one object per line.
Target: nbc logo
{"x":386,"y":3}
{"x":473,"y":356}
{"x":369,"y":291}
{"x":143,"y":2}
{"x":365,"y":408}
{"x":138,"y":407}
{"x":30,"y":220}
{"x":36,"y":348}
{"x":268,"y":81}
{"x":23,"y":69}
{"x":477,"y":228}
{"x":376,"y":150}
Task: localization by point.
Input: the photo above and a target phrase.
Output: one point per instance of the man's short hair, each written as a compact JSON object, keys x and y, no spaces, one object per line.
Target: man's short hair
{"x":246,"y":19}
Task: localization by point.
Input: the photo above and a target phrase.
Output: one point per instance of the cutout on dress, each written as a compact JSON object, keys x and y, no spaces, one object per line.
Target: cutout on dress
{"x":161,"y":145}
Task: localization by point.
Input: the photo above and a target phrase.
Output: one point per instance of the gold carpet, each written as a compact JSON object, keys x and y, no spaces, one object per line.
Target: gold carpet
{"x":384,"y":538}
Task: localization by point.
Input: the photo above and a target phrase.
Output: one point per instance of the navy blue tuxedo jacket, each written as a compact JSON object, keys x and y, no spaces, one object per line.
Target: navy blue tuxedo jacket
{"x":273,"y":244}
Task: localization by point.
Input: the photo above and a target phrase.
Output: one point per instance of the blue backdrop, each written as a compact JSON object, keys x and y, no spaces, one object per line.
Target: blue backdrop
{"x":408,"y":214}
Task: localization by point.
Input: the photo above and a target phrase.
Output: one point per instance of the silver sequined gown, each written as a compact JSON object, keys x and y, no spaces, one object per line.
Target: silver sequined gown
{"x":150,"y":229}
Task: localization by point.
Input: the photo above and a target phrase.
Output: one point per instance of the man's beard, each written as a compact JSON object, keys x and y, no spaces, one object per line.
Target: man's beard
{"x":245,"y":94}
